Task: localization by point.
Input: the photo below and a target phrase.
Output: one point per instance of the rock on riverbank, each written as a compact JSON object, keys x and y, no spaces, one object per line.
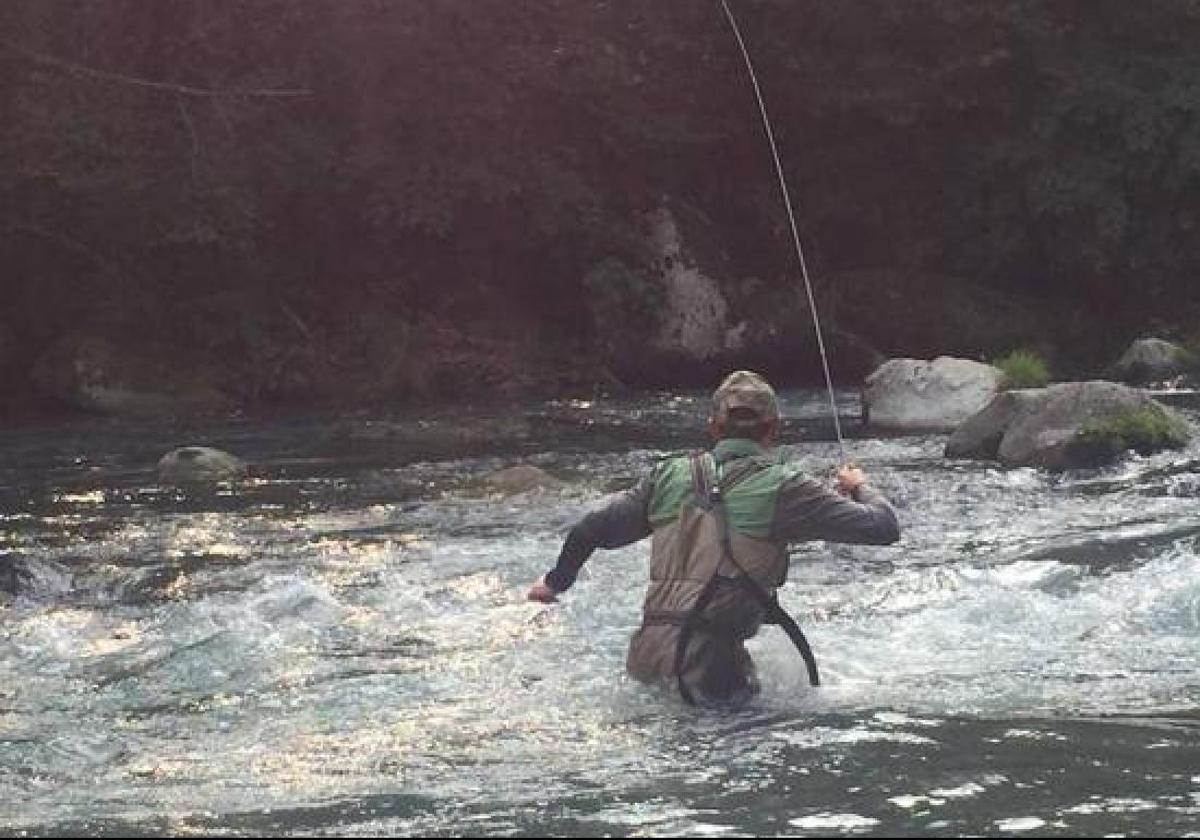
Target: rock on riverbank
{"x":917,"y":395}
{"x":1072,"y":424}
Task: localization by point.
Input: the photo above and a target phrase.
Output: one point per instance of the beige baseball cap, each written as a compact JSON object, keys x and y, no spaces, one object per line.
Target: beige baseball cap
{"x":745,"y":389}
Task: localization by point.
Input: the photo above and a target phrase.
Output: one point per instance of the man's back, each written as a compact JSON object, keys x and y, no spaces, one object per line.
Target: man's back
{"x":714,"y":566}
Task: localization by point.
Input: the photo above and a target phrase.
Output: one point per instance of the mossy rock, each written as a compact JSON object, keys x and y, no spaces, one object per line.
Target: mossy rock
{"x":1145,"y":430}
{"x":1069,"y":425}
{"x":1153,"y":360}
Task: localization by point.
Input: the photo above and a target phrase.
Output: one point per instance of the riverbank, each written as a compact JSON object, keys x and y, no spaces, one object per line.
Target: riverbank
{"x":392,"y":364}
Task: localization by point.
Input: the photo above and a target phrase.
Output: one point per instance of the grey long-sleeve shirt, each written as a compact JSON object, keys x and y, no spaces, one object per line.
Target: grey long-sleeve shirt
{"x":803,"y":511}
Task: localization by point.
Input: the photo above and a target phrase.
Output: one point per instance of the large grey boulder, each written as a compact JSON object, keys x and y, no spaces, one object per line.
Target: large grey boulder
{"x":1072,"y":424}
{"x":918,"y":395}
{"x":95,"y":373}
{"x":674,"y":307}
{"x":1151,"y":360}
{"x":663,"y":305}
{"x":693,"y":313}
{"x":199,"y":464}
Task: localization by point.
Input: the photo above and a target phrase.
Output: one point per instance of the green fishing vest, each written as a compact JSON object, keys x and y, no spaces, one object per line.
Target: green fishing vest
{"x":687,"y":550}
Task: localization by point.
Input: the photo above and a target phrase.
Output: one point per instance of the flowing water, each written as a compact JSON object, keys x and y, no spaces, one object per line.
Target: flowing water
{"x":340,"y":645}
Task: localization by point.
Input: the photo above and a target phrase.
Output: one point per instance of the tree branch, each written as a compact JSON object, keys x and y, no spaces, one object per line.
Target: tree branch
{"x":168,"y":87}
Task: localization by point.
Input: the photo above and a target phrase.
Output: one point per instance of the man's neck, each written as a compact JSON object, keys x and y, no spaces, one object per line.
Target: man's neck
{"x":729,"y":448}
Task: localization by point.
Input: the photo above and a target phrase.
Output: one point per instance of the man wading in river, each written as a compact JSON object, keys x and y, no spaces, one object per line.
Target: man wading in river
{"x":721,"y":522}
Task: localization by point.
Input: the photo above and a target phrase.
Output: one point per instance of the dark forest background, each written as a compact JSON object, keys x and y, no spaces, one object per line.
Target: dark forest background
{"x":355,"y":202}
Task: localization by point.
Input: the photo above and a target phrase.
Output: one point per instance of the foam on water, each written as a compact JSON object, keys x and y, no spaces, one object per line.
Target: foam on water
{"x":1028,"y":637}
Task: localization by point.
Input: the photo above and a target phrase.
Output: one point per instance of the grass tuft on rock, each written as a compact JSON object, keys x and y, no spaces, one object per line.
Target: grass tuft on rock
{"x":1023,"y":369}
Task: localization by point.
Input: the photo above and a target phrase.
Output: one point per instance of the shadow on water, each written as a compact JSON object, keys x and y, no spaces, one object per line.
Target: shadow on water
{"x":1108,"y":549}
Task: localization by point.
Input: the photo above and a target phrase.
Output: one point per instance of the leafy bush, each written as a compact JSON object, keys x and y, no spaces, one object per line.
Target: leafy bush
{"x":1023,"y":369}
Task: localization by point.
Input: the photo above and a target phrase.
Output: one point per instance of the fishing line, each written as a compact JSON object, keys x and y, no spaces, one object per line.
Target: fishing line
{"x":787,"y":203}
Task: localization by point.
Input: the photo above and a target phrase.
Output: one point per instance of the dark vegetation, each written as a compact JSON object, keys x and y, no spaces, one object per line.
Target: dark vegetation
{"x":356,"y":201}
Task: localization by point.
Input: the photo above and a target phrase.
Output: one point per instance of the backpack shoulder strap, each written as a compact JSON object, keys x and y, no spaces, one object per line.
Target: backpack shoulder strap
{"x":705,"y":479}
{"x":709,"y":480}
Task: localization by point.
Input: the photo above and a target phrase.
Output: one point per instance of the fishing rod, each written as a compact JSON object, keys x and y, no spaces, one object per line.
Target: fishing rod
{"x":787,"y":203}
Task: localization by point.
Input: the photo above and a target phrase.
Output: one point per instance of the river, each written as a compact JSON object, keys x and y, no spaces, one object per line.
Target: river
{"x":341,"y":645}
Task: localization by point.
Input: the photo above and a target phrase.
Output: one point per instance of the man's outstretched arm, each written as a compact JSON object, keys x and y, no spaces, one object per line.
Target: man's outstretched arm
{"x":622,"y":521}
{"x":855,"y":514}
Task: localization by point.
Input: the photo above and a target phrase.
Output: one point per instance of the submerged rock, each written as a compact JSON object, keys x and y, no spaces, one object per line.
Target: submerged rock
{"x":197,"y":464}
{"x":451,"y":437}
{"x":520,"y":478}
{"x":14,"y":576}
{"x":917,"y":395}
{"x":1073,"y":424}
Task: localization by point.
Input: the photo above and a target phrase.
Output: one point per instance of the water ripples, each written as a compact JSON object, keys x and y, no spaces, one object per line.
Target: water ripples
{"x":342,"y":647}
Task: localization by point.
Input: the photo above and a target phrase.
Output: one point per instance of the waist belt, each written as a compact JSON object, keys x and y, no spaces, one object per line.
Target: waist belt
{"x":680,"y":618}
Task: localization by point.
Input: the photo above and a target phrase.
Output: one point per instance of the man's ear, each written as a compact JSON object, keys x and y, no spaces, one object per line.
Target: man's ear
{"x":770,"y":428}
{"x":715,"y":429}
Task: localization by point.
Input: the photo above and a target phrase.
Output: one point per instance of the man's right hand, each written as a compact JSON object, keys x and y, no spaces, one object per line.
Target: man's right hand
{"x":542,"y":593}
{"x":849,"y":479}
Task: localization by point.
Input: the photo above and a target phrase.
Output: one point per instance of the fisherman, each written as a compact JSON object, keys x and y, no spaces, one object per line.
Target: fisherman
{"x":721,"y":523}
